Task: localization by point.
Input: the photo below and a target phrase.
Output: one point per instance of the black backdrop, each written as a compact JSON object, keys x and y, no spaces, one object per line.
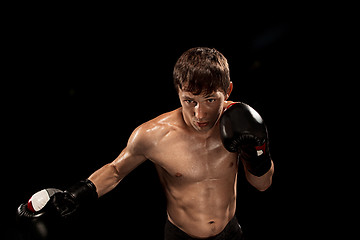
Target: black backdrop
{"x":80,"y":81}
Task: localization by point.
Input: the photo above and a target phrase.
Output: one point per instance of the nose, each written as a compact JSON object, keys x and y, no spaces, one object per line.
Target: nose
{"x":199,"y":112}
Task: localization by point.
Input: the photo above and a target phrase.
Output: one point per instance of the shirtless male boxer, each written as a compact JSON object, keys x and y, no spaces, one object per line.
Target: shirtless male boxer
{"x":196,"y":150}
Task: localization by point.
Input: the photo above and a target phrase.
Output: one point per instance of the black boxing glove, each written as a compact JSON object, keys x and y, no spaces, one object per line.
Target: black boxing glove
{"x":243,"y":130}
{"x":62,"y":203}
{"x":42,"y":215}
{"x":34,"y":218}
{"x":67,"y":202}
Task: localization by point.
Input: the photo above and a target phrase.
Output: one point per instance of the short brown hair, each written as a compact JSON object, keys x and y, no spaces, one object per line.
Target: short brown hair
{"x":201,"y":70}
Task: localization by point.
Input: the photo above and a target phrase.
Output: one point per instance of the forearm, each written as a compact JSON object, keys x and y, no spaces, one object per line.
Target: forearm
{"x":260,"y":183}
{"x":105,"y":179}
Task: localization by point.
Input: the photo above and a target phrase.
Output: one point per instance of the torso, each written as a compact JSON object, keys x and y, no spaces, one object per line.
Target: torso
{"x":197,"y":173}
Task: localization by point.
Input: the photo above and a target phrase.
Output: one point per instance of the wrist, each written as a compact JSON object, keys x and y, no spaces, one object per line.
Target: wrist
{"x":258,"y":165}
{"x":83,"y":191}
{"x":67,"y":203}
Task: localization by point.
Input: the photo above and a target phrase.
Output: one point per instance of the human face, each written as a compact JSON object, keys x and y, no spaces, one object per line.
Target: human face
{"x":201,"y":112}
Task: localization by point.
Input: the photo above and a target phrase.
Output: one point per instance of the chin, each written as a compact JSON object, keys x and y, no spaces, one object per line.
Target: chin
{"x":203,"y":129}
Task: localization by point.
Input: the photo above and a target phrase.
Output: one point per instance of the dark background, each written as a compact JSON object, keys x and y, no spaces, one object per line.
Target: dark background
{"x":80,"y":79}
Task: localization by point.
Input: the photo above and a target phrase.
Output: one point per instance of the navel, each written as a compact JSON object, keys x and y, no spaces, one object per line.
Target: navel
{"x":178,"y":174}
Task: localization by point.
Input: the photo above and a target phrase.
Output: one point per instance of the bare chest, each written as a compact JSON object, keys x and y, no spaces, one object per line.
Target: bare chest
{"x":192,"y":159}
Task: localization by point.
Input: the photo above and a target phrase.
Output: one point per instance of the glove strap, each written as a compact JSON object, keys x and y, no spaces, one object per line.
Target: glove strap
{"x":258,"y":160}
{"x":83,"y":191}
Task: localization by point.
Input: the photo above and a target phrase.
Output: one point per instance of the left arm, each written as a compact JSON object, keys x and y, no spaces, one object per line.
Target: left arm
{"x":243,"y":130}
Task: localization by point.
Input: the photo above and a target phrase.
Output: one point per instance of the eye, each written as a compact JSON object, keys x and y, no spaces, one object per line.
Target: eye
{"x":211,"y":100}
{"x":189,"y":101}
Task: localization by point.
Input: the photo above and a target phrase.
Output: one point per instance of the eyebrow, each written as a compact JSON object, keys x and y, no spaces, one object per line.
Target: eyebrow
{"x":206,"y":96}
{"x":210,"y":96}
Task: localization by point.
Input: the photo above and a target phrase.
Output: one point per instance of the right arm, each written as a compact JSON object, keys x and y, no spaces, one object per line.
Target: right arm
{"x":65,"y":203}
{"x":108,"y":177}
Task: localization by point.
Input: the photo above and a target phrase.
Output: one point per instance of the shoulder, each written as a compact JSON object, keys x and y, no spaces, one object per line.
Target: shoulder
{"x":161,"y":124}
{"x":149,"y":133}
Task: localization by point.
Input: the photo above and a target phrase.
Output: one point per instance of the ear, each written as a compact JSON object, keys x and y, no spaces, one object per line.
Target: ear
{"x":229,"y":91}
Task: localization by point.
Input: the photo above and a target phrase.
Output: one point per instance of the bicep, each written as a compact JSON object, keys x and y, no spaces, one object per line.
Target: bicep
{"x":133,"y":154}
{"x":127,"y":161}
{"x":107,"y":177}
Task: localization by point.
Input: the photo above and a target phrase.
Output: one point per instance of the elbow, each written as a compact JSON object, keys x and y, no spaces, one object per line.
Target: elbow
{"x":261,"y":185}
{"x":264,"y":186}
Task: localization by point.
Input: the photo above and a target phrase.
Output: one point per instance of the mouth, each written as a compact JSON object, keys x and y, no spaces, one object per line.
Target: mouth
{"x":202,"y":124}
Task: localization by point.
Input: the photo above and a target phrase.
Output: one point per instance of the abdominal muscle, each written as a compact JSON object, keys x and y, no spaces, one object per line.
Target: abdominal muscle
{"x":201,"y":209}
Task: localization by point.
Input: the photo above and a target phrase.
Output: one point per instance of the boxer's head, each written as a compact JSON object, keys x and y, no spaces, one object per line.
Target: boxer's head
{"x":202,"y":79}
{"x":202,"y":71}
